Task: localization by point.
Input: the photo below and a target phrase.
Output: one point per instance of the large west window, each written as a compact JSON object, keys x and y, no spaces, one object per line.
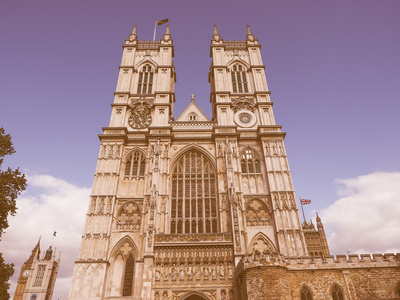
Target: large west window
{"x":239,"y":80}
{"x":194,"y":202}
{"x":145,"y":82}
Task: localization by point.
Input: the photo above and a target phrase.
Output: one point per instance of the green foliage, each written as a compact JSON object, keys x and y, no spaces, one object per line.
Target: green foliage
{"x":6,"y":271}
{"x":12,"y":183}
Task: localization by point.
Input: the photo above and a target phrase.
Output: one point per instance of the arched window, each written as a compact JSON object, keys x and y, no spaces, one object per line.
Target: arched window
{"x":145,"y":82}
{"x":128,"y":276}
{"x":192,"y":117}
{"x":135,"y":165}
{"x":305,"y":293}
{"x":239,"y":81}
{"x":194,"y":201}
{"x":337,"y":293}
{"x":250,"y":164}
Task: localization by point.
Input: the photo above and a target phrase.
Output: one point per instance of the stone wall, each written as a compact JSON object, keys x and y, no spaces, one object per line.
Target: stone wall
{"x":276,"y":277}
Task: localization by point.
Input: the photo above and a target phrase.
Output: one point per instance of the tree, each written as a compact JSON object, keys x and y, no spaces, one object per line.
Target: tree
{"x":12,"y":183}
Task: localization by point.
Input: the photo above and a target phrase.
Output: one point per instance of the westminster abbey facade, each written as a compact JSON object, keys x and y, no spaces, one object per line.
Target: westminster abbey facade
{"x":192,"y":208}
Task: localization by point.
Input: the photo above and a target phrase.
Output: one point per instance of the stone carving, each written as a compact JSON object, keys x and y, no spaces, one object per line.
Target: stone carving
{"x":140,"y":113}
{"x":129,"y":216}
{"x":243,"y":103}
{"x":257,"y":213}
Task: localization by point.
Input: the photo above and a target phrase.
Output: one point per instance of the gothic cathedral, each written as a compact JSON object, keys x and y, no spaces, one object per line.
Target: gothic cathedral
{"x":195,"y":208}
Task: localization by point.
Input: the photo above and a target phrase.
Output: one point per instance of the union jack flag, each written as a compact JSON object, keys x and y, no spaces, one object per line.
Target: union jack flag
{"x":305,"y":201}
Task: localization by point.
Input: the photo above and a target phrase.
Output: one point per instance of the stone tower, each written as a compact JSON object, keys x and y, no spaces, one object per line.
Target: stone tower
{"x":175,"y":205}
{"x":38,"y":276}
{"x":317,"y":244}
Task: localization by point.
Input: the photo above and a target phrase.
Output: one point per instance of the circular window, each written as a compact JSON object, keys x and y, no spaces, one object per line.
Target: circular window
{"x":245,"y":118}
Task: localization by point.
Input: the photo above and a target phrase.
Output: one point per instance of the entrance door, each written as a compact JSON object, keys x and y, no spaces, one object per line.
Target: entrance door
{"x":195,"y":297}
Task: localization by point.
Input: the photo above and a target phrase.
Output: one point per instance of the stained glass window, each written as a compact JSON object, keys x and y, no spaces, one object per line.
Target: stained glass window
{"x":194,"y":201}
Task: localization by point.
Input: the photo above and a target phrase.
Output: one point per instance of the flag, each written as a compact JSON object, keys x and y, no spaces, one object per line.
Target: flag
{"x":305,"y":201}
{"x":162,"y":22}
{"x":55,"y":233}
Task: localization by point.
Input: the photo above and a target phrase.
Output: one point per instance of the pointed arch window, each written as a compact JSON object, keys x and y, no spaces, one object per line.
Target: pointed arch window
{"x":39,"y":275}
{"x":145,"y":81}
{"x":337,"y":293}
{"x":305,"y":293}
{"x":128,"y":276}
{"x":250,"y":163}
{"x":135,"y":165}
{"x":194,"y":201}
{"x":239,"y":80}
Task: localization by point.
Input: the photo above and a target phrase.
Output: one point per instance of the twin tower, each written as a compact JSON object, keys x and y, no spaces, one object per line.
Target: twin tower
{"x":176,"y":204}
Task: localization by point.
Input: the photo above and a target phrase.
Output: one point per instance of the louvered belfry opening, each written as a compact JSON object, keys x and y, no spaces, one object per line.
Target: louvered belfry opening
{"x":194,"y":202}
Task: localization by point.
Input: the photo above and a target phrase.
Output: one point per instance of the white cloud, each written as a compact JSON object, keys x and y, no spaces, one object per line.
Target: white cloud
{"x":49,"y":204}
{"x":366,"y":217}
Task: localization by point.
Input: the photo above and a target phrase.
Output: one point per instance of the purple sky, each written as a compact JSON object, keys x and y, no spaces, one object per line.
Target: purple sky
{"x":333,"y":69}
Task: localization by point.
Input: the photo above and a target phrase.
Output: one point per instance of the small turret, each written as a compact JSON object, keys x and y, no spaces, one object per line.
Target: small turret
{"x":132,"y":37}
{"x":250,"y":37}
{"x":167,"y":35}
{"x":216,"y":38}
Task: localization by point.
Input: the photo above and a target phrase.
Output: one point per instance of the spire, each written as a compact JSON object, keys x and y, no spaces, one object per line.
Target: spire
{"x":167,"y":34}
{"x":133,"y":35}
{"x":250,"y":37}
{"x":318,"y":218}
{"x":216,"y":37}
{"x":35,"y":252}
{"x":215,"y":29}
{"x":166,"y":39}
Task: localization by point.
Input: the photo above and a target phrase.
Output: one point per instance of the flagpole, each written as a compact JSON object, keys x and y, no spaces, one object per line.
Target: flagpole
{"x":302,"y":209}
{"x":155,"y":27}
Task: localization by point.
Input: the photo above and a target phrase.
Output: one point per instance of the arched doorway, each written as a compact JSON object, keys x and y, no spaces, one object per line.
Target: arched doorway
{"x":194,"y":297}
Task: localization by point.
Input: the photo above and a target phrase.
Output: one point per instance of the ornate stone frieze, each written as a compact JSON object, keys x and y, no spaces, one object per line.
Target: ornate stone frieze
{"x":198,"y":237}
{"x":243,"y":103}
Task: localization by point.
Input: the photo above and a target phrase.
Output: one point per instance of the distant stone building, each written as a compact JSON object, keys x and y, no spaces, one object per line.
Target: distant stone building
{"x":38,"y":276}
{"x":317,"y":244}
{"x":195,"y":208}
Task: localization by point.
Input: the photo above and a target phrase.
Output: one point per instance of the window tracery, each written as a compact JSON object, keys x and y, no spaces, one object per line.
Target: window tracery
{"x":257,"y":213}
{"x":39,"y":275}
{"x":239,"y":80}
{"x":262,"y":245}
{"x":250,"y":164}
{"x":123,"y":267}
{"x":135,"y":165}
{"x":129,"y":217}
{"x":194,"y":202}
{"x":337,"y":293}
{"x":145,"y":81}
{"x":305,"y":293}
